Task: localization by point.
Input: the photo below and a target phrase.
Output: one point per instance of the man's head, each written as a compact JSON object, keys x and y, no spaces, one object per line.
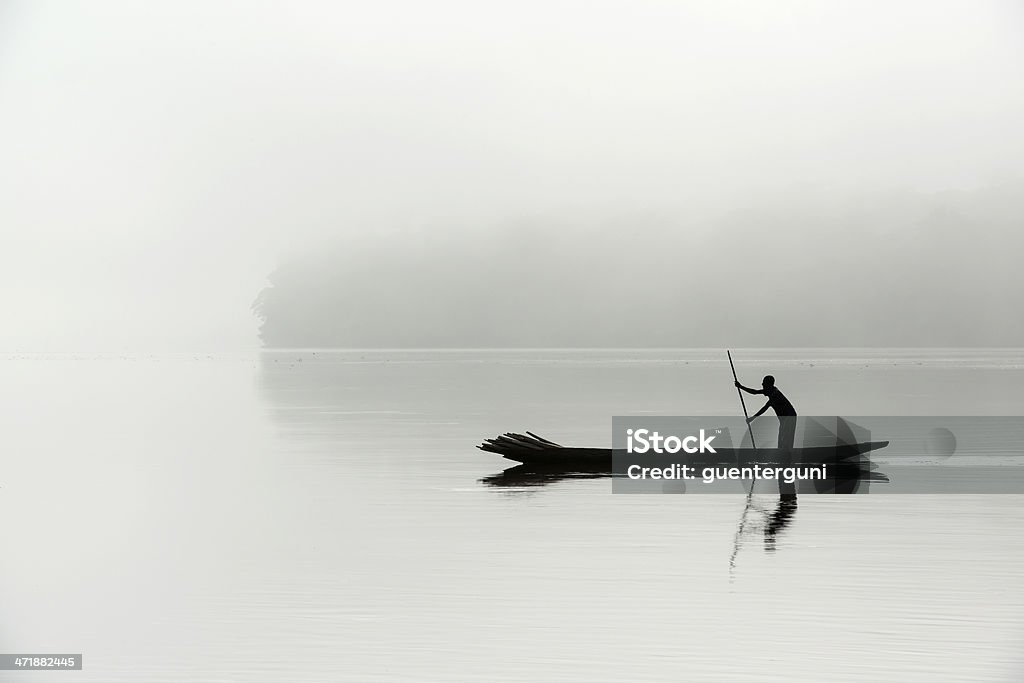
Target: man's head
{"x":767,"y":382}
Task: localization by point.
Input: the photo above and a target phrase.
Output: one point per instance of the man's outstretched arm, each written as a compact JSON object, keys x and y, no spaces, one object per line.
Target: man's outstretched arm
{"x":749,"y":390}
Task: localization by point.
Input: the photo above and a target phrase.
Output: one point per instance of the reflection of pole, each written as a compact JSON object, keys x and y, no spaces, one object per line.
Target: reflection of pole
{"x":750,"y":493}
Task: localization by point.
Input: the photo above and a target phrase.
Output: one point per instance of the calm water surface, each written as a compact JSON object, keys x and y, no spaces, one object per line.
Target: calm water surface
{"x":320,"y":516}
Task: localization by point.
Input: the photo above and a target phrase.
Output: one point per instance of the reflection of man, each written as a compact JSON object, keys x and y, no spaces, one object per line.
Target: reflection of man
{"x":778,"y":402}
{"x":778,"y":520}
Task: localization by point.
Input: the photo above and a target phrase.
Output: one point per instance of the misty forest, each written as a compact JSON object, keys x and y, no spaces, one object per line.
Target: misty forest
{"x":896,"y":269}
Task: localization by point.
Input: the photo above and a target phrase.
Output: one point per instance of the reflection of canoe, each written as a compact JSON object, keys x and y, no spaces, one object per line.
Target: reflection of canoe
{"x":522,"y":476}
{"x":531,"y":449}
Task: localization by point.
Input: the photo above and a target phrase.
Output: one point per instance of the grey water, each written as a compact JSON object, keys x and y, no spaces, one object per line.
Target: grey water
{"x":318,"y":515}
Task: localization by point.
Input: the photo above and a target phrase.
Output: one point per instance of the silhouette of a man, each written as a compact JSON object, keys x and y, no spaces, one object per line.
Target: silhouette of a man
{"x":787,"y":422}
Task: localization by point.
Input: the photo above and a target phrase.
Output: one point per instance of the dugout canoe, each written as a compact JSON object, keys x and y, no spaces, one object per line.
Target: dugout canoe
{"x":530,"y":449}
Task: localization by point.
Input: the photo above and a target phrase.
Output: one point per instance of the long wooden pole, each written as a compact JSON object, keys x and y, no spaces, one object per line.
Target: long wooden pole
{"x":742,"y":402}
{"x":750,"y":493}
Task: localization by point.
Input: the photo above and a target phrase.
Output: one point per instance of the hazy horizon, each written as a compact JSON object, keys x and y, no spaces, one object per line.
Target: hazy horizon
{"x":161,"y":160}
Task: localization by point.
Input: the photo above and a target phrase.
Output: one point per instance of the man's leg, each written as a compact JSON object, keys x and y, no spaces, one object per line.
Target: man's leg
{"x":787,"y":434}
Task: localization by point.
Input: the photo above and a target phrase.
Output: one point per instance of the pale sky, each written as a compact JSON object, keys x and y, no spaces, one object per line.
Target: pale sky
{"x":158,"y":159}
